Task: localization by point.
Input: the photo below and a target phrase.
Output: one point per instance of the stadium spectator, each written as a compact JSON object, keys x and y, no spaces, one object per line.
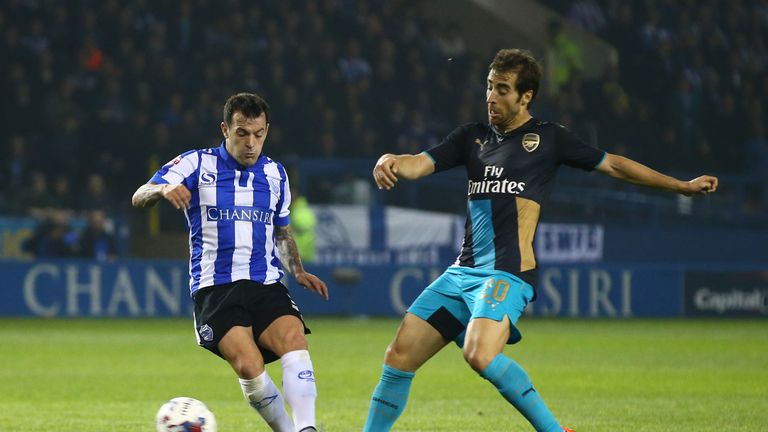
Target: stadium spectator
{"x":353,"y":66}
{"x":303,"y":223}
{"x":243,"y":313}
{"x":35,"y":199}
{"x":451,"y":40}
{"x":564,"y":56}
{"x":96,"y":241}
{"x":587,"y":14}
{"x":62,"y":197}
{"x":96,"y":196}
{"x":17,"y":165}
{"x":53,"y":237}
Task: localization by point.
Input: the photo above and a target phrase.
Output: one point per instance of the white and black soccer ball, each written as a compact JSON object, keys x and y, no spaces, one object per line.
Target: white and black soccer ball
{"x":185,"y":414}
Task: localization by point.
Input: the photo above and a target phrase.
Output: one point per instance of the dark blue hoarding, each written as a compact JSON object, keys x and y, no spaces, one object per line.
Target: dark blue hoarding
{"x":160,"y":288}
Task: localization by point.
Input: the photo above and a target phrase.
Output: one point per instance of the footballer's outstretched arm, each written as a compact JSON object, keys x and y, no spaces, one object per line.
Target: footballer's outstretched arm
{"x":149,"y":194}
{"x":389,"y":168}
{"x":630,"y":171}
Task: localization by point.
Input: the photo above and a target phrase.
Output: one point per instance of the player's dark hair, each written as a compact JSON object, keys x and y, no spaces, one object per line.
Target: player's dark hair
{"x":522,"y":63}
{"x":249,"y":104}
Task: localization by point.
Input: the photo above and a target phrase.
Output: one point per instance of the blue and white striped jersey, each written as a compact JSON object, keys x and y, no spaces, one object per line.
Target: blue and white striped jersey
{"x":232,"y":215}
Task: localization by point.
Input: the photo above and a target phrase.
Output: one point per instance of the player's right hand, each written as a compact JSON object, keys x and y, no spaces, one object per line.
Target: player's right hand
{"x":178,"y":195}
{"x":385,"y":171}
{"x":701,"y":185}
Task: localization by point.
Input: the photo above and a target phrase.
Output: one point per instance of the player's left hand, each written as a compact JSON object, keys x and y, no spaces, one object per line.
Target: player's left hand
{"x":312,"y":283}
{"x":701,"y":186}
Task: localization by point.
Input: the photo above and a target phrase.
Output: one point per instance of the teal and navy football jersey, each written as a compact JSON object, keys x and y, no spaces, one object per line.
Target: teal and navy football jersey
{"x":509,"y":176}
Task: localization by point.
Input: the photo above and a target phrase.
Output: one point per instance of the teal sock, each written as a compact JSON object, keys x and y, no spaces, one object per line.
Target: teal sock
{"x":388,"y":400}
{"x":513,"y":383}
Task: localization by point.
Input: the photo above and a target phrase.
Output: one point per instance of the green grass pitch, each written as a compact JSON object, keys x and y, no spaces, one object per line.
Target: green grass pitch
{"x":602,"y":375}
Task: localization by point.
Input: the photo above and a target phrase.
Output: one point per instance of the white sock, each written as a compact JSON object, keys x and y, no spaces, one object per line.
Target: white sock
{"x":299,"y":387}
{"x":262,"y":394}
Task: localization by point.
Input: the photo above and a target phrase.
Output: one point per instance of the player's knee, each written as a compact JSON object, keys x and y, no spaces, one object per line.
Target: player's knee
{"x":248,"y":368}
{"x":293,"y":340}
{"x":477,"y":359}
{"x":396,"y":357}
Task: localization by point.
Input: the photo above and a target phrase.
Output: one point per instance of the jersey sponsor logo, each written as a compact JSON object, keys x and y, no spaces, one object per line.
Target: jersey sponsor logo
{"x":239,"y":213}
{"x":206,"y":333}
{"x":207,"y":178}
{"x":481,"y":143}
{"x":531,"y":141}
{"x":495,"y":186}
{"x":498,"y":185}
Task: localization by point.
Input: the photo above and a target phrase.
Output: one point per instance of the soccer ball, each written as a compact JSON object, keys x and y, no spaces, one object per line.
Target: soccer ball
{"x":185,"y":414}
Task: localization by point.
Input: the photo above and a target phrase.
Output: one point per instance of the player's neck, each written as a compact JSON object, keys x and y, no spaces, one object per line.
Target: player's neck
{"x":516,"y":122}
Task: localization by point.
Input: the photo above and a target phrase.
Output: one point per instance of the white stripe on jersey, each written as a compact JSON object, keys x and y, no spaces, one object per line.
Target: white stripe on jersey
{"x":209,"y":228}
{"x":180,"y":168}
{"x":241,"y":259}
{"x":273,"y":274}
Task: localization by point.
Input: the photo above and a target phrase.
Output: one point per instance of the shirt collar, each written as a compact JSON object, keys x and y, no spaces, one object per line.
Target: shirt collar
{"x":500,"y":136}
{"x":230,"y":162}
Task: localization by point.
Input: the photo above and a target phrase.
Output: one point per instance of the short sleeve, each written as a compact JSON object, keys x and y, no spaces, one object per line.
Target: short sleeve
{"x":282,"y":212}
{"x":180,"y":170}
{"x":574,"y":152}
{"x":452,"y":151}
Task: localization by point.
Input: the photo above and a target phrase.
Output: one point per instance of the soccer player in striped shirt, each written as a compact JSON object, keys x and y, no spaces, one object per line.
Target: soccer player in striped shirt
{"x":511,"y":161}
{"x":235,"y":201}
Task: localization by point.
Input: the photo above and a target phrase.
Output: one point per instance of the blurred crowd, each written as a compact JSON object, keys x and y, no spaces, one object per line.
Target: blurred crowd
{"x":690,"y":90}
{"x":112,"y":87}
{"x":98,"y":94}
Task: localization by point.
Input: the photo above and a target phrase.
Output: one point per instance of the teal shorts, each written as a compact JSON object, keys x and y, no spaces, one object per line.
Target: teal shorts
{"x":461,"y":294}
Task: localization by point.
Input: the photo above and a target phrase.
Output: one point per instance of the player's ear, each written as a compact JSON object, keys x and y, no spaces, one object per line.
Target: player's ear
{"x":224,"y":130}
{"x":527,"y":96}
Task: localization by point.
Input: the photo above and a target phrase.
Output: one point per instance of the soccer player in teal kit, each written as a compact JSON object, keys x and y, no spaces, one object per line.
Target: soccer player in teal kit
{"x":511,"y":162}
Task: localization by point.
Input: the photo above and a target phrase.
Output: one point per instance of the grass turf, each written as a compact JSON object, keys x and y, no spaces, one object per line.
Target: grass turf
{"x":602,"y":375}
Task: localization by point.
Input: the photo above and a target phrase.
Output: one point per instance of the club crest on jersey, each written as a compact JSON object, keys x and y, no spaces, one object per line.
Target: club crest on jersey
{"x":531,"y":142}
{"x":274,"y":186}
{"x":481,"y":143}
{"x":206,"y":333}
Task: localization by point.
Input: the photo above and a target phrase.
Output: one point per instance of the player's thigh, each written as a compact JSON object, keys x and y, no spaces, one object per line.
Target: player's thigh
{"x":283,"y":335}
{"x":416,"y":342}
{"x":218,"y":309}
{"x":500,"y":300}
{"x":442,"y":306}
{"x":239,"y":349}
{"x":278,"y":326}
{"x":484,"y":340}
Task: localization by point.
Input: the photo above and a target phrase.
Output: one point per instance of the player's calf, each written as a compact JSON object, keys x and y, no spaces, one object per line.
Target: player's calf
{"x":299,"y":388}
{"x":514,"y":384}
{"x":263,"y":396}
{"x":388,"y":399}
